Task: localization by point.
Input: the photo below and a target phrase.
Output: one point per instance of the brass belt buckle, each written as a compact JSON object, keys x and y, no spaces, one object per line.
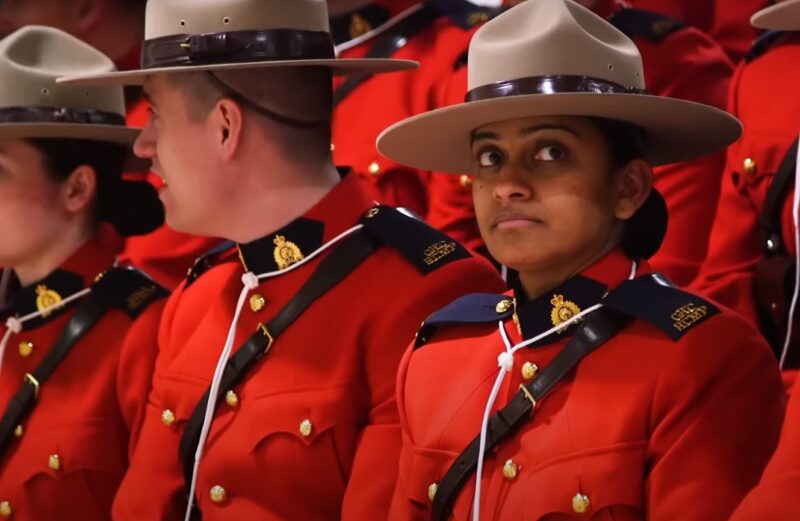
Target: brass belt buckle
{"x":34,"y":383}
{"x":266,"y":333}
{"x":527,"y":395}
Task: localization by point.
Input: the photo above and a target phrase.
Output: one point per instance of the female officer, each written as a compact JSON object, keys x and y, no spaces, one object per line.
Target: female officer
{"x":675,"y":412}
{"x":78,"y":345}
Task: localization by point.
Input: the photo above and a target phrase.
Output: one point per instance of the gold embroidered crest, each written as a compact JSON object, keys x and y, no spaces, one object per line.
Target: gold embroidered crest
{"x":438,"y":251}
{"x":359,"y":26}
{"x":46,"y":298}
{"x":286,"y":252}
{"x":563,"y":310}
{"x":686,"y":316}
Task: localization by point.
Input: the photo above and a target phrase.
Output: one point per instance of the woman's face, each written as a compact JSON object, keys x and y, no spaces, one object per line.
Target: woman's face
{"x":546,"y":195}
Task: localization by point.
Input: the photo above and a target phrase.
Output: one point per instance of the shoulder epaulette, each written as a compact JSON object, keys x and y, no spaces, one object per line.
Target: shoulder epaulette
{"x":477,"y":308}
{"x":654,"y":299}
{"x":423,"y":246}
{"x":208,"y":260}
{"x":463,"y":13}
{"x":129,"y":290}
{"x":762,"y":44}
{"x":645,"y":24}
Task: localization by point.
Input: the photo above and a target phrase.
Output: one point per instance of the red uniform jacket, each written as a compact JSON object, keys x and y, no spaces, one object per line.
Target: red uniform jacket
{"x":679,"y":62}
{"x":770,"y":127}
{"x":651,"y":425}
{"x":313,"y":432}
{"x":774,"y":496}
{"x":73,"y":450}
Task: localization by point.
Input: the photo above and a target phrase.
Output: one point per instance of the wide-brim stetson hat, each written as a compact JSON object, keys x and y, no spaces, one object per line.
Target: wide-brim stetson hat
{"x":33,"y":105}
{"x":783,"y":16}
{"x":218,"y":35}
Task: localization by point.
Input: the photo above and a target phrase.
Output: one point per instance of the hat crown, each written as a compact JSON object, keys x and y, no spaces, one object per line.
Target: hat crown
{"x":552,"y":38}
{"x":174,"y":17}
{"x":31,"y":59}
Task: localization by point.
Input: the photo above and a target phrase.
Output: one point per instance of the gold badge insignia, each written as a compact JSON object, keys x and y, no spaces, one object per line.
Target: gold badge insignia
{"x":686,"y":316}
{"x":563,"y":310}
{"x":286,"y":252}
{"x":359,"y":26}
{"x":438,"y":251}
{"x":46,"y":298}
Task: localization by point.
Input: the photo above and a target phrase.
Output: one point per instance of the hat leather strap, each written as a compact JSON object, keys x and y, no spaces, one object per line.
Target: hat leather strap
{"x":562,"y":84}
{"x":237,"y":47}
{"x":60,"y":115}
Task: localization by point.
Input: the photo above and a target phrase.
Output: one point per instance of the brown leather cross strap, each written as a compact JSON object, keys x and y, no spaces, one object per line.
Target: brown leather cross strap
{"x":596,"y":329}
{"x":549,"y":85}
{"x":60,"y":115}
{"x":237,"y":47}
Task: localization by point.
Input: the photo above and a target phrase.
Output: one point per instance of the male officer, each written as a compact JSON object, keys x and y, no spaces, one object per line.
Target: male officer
{"x":323,"y":291}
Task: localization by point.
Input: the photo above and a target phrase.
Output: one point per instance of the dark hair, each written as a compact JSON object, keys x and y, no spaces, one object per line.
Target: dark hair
{"x":132,"y":207}
{"x":645,"y":231}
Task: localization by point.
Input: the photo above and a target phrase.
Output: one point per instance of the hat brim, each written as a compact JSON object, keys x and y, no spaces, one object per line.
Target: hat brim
{"x":339,"y":67}
{"x":783,"y":16}
{"x":124,"y":136}
{"x":676,"y":130}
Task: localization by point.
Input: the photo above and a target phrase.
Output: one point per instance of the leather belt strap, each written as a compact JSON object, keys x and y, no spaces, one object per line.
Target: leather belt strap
{"x":60,"y":115}
{"x":333,"y":269}
{"x":770,"y":219}
{"x":549,"y":85}
{"x":596,"y":329}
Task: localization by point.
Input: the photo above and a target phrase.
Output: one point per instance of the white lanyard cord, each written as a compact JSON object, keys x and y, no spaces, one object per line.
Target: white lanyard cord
{"x":355,"y":42}
{"x":250,"y":282}
{"x":506,"y":362}
{"x":796,"y":290}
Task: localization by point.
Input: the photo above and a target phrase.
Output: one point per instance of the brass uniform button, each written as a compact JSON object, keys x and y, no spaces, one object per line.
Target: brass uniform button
{"x":333,"y":147}
{"x":503,"y":306}
{"x":749,"y":166}
{"x":54,"y":462}
{"x":306,"y":427}
{"x":257,"y":302}
{"x":465,"y":181}
{"x":231,"y":399}
{"x":19,"y":431}
{"x":218,"y":494}
{"x":510,"y":470}
{"x":25,"y":348}
{"x":432,"y":489}
{"x":581,"y":503}
{"x":5,"y":509}
{"x":167,"y":417}
{"x":374,"y":168}
{"x":529,"y":370}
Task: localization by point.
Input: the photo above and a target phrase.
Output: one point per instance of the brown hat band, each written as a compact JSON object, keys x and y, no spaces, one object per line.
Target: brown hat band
{"x":60,"y":115}
{"x":237,"y":47}
{"x":549,"y":85}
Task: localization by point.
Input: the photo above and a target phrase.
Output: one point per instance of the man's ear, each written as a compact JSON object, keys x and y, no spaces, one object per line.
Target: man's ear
{"x":635,"y":181}
{"x":78,"y":191}
{"x":226,"y":120}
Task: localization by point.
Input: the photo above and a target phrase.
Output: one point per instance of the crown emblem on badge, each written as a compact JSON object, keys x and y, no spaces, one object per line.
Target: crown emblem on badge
{"x":563,"y":310}
{"x":438,"y":251}
{"x":286,"y":252}
{"x":46,"y":299}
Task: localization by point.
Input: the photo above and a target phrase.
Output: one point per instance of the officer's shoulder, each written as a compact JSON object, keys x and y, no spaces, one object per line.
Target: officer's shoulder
{"x":129,"y":290}
{"x":222,"y":252}
{"x":476,"y":308}
{"x":765,"y":42}
{"x":462,"y":13}
{"x":654,"y":299}
{"x":424,"y":247}
{"x":651,"y":26}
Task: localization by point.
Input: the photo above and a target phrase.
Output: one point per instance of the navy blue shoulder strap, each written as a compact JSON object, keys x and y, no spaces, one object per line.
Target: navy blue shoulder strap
{"x":645,"y":24}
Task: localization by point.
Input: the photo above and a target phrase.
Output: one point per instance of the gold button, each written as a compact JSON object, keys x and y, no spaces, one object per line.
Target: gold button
{"x":432,"y":488}
{"x":218,"y":494}
{"x":25,"y":348}
{"x":54,"y":462}
{"x":374,"y":168}
{"x":749,"y":166}
{"x":167,"y":417}
{"x":5,"y":509}
{"x":465,"y":181}
{"x":529,"y":370}
{"x":19,"y":431}
{"x":510,"y":470}
{"x":503,"y":306}
{"x":257,"y":302}
{"x":333,"y":147}
{"x":306,"y":427}
{"x":581,"y":503}
{"x":231,"y":399}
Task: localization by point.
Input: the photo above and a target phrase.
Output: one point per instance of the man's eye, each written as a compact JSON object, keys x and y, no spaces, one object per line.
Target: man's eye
{"x":489,"y":158}
{"x":549,"y":154}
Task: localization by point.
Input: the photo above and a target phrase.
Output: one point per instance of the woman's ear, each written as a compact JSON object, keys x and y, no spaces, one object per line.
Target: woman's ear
{"x":635,"y":181}
{"x":78,"y":191}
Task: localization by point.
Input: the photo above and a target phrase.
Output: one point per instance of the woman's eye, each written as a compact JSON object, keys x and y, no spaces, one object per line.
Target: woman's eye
{"x":549,"y":154}
{"x":489,"y":158}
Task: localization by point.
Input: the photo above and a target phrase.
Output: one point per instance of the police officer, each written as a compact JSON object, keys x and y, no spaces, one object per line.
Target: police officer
{"x":617,"y":394}
{"x":273,"y":394}
{"x":77,"y":343}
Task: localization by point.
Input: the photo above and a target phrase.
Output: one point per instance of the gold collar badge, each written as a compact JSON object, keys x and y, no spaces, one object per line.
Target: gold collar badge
{"x":46,"y":298}
{"x":563,"y":310}
{"x":286,"y":252}
{"x":359,"y":26}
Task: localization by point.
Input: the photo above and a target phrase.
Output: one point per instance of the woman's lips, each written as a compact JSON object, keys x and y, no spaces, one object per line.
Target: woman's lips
{"x":514,"y":220}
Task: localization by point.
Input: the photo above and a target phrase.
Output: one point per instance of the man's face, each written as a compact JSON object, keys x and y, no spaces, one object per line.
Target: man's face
{"x":18,"y":13}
